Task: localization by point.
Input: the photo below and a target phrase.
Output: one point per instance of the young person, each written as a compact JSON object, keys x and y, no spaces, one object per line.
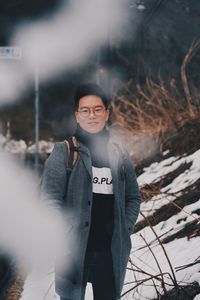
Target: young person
{"x":99,"y":197}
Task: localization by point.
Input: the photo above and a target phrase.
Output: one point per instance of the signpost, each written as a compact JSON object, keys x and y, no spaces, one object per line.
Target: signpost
{"x":15,"y":53}
{"x":37,"y":151}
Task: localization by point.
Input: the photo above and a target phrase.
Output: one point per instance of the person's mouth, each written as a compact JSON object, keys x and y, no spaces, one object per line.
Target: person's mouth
{"x":92,"y":123}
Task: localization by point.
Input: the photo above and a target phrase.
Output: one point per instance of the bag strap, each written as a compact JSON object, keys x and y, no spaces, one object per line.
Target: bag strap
{"x":72,"y":149}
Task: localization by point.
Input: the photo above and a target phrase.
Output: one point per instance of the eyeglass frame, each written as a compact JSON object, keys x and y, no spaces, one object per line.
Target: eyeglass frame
{"x":93,"y":110}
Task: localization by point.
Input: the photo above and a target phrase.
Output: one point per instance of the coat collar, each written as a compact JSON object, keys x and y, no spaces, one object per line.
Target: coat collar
{"x":113,"y":155}
{"x":84,"y":154}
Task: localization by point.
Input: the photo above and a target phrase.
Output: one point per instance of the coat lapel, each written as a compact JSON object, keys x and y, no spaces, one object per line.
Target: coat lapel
{"x":85,"y":157}
{"x":113,"y":159}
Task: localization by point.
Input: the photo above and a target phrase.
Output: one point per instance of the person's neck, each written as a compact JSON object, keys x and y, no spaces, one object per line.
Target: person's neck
{"x":89,"y":138}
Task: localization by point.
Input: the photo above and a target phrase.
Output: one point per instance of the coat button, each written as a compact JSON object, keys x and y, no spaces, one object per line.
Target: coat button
{"x":86,"y":224}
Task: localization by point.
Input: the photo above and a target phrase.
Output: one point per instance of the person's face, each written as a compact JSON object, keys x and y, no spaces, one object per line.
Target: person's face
{"x":91,"y":114}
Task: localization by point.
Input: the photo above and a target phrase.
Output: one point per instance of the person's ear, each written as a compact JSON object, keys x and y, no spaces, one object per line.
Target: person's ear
{"x":76,"y":116}
{"x":108,"y":114}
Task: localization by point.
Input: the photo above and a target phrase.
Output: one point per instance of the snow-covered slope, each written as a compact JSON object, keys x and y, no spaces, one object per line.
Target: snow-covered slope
{"x":182,"y":246}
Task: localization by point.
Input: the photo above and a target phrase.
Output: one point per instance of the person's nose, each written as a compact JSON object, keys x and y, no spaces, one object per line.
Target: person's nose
{"x":92,"y":114}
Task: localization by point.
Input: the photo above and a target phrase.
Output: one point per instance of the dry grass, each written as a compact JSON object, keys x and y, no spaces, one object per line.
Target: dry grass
{"x":16,"y":289}
{"x":156,"y":110}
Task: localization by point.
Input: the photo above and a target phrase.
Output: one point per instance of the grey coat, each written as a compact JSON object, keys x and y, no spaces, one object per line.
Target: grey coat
{"x":76,"y":201}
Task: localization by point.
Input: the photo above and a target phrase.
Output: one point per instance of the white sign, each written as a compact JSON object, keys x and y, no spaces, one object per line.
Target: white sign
{"x":10,"y":53}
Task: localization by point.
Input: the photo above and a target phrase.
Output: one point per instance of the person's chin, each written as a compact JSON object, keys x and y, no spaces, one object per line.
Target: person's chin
{"x":93,"y":128}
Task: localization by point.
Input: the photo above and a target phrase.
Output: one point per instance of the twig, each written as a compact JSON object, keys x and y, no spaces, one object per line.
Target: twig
{"x":192,"y":51}
{"x":162,"y":282}
{"x":187,"y":266}
{"x":48,"y":290}
{"x":163,"y":248}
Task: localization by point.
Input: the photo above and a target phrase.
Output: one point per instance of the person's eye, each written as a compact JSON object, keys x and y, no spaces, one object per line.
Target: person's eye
{"x":98,"y":109}
{"x":84,"y":110}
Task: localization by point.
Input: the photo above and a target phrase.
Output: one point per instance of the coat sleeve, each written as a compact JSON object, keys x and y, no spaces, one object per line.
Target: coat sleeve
{"x":54,"y":178}
{"x":132,"y":194}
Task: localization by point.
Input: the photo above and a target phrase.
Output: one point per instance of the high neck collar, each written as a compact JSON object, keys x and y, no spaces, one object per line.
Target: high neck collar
{"x":88,"y":138}
{"x":96,"y":144}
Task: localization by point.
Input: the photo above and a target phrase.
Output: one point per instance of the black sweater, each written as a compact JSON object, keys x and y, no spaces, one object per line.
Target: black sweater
{"x":102,"y":216}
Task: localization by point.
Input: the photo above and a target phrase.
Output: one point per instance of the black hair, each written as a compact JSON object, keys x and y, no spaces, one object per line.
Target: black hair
{"x":90,"y":89}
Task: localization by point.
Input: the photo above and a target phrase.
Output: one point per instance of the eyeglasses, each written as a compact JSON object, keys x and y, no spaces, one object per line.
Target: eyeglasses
{"x":86,"y":111}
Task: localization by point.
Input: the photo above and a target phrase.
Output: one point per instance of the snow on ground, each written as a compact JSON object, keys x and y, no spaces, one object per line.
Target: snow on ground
{"x":41,"y":287}
{"x":188,"y":177}
{"x":44,"y":147}
{"x":13,"y":146}
{"x":180,"y":251}
{"x":159,"y":169}
{"x":20,"y":146}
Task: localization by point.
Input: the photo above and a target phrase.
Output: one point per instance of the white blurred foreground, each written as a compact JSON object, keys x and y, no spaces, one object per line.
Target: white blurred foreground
{"x":31,"y":231}
{"x":59,"y":42}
